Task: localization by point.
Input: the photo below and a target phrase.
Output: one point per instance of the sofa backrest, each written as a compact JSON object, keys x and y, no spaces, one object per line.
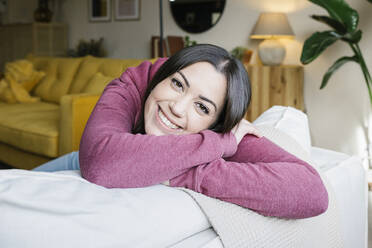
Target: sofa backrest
{"x":90,"y":67}
{"x":59,"y":74}
{"x":73,"y":75}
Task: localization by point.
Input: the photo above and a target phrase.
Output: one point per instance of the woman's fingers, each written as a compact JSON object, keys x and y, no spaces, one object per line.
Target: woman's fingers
{"x":253,"y":130}
{"x":243,"y":128}
{"x":257,"y":133}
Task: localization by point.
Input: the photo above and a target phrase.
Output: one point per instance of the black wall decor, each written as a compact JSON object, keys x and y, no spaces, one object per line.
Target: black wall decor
{"x":196,"y":16}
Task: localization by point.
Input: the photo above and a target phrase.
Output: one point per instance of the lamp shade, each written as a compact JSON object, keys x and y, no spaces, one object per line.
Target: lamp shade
{"x":272,"y":25}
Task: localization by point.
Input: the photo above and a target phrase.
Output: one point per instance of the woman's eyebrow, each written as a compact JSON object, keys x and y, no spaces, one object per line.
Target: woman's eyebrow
{"x":201,"y":97}
{"x":210,"y":101}
{"x":184,"y":78}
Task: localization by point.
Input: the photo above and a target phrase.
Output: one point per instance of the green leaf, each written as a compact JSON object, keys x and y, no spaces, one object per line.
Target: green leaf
{"x":370,"y":1}
{"x":340,"y":11}
{"x":335,"y":66}
{"x":338,"y":26}
{"x":353,"y":37}
{"x":316,"y":44}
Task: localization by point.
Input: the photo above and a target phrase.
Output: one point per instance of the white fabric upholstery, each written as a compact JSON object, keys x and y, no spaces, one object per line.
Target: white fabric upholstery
{"x":43,"y":209}
{"x":288,"y":120}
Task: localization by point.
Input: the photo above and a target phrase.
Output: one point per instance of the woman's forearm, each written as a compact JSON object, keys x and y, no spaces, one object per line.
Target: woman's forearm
{"x":281,"y":189}
{"x":263,"y":177}
{"x":118,"y":160}
{"x":253,"y":149}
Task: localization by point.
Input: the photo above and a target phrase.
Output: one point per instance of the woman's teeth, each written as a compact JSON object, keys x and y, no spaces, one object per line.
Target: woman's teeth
{"x":166,"y":121}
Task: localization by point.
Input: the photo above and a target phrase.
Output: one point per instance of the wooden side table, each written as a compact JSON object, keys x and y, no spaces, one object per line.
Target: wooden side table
{"x":274,"y":85}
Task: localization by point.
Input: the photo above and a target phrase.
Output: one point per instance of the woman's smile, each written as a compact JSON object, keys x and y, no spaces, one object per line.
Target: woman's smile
{"x":165,"y":122}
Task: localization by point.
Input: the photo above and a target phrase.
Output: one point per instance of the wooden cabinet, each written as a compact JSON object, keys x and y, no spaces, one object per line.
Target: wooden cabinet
{"x":44,"y":39}
{"x":275,"y":85}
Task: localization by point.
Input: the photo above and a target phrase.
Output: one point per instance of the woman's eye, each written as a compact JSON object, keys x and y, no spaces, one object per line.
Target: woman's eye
{"x":177,"y":84}
{"x":202,"y":107}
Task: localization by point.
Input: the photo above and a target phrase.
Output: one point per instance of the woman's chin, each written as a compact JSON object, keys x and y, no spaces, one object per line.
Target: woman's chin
{"x":154,"y":131}
{"x":158,"y":131}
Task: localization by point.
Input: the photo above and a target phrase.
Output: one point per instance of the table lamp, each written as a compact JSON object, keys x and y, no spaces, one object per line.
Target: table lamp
{"x":271,"y":27}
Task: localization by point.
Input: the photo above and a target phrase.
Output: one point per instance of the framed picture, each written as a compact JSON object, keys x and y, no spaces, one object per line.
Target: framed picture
{"x":99,"y":10}
{"x":126,"y":10}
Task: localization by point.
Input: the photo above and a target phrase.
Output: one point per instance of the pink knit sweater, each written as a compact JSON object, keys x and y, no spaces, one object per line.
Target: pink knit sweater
{"x":257,"y":174}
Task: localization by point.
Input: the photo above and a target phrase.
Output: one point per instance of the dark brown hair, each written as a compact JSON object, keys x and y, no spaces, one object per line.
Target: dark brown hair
{"x":238,"y":93}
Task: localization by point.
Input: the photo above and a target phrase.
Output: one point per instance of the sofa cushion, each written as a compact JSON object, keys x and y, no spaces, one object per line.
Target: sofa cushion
{"x":60,"y":73}
{"x":39,"y":62}
{"x":32,"y":127}
{"x":289,"y":120}
{"x":97,"y":83}
{"x":109,"y":67}
{"x":20,"y":78}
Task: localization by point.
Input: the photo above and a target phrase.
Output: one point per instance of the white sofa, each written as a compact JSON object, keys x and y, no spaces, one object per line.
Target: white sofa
{"x":40,"y":209}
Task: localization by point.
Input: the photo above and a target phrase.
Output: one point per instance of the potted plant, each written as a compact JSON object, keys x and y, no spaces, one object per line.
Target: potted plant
{"x":242,"y":53}
{"x":84,"y":48}
{"x":188,"y":42}
{"x":343,"y":23}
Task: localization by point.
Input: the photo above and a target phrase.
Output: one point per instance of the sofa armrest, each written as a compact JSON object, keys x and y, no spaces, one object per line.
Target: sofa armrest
{"x":74,"y":113}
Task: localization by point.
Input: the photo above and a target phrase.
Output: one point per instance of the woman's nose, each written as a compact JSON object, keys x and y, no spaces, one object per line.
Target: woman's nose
{"x":179,"y":107}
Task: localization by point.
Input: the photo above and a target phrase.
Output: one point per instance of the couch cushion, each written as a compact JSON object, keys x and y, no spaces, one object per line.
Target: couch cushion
{"x":289,"y":120}
{"x":97,"y":83}
{"x":39,"y":62}
{"x":20,"y":78}
{"x":109,"y":67}
{"x":60,"y":73}
{"x":31,"y":127}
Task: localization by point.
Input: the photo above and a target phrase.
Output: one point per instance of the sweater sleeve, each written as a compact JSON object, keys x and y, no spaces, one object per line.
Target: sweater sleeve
{"x":111,"y":156}
{"x":264,"y":178}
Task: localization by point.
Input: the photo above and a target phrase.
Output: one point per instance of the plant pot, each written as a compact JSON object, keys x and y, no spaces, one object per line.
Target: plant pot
{"x":247,"y":55}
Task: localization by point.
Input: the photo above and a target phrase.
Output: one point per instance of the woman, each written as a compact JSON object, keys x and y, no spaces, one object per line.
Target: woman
{"x":181,"y":120}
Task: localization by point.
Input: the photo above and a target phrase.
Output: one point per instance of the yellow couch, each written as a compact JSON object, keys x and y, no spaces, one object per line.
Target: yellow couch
{"x":34,"y":133}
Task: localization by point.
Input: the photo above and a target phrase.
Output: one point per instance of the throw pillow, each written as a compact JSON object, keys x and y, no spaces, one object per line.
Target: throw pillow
{"x":6,"y":94}
{"x":288,"y":120}
{"x":20,"y":78}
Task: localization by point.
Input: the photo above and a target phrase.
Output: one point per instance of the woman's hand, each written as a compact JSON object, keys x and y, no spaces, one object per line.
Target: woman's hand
{"x":244,"y":127}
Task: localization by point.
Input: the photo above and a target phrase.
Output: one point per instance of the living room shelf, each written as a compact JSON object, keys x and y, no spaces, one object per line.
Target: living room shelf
{"x":274,"y":85}
{"x":42,"y":39}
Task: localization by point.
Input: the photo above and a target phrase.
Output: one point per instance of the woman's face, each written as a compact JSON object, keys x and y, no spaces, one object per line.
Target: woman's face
{"x":188,"y":101}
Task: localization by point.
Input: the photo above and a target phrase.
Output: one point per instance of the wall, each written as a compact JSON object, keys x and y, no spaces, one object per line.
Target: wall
{"x":336,"y":113}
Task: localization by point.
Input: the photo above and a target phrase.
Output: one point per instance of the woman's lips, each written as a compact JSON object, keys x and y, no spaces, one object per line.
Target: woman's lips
{"x":165,"y":123}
